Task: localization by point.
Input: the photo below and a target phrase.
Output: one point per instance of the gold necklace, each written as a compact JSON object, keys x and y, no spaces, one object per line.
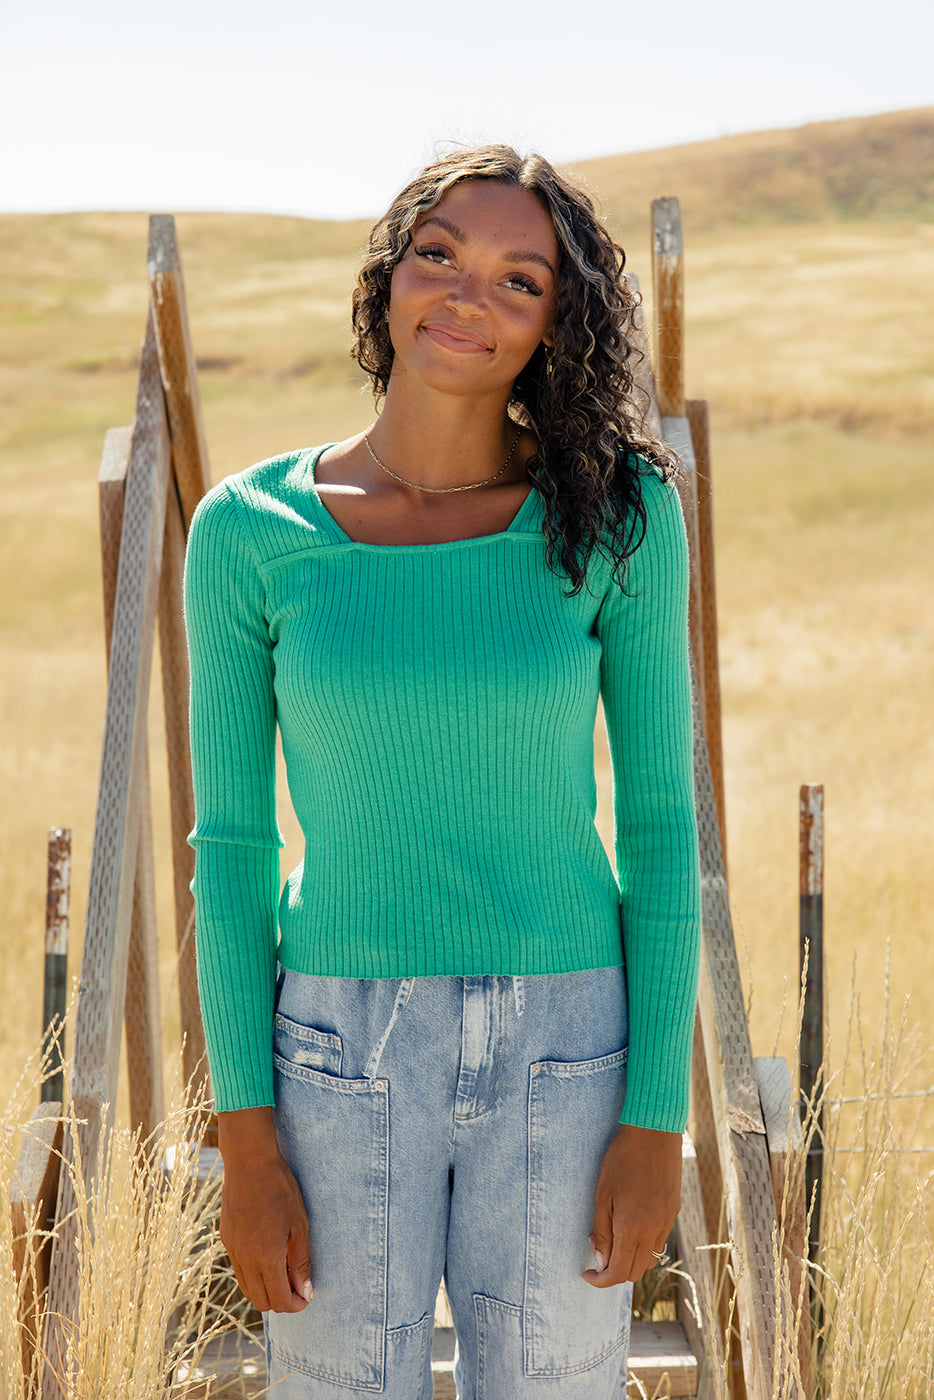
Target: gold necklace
{"x":442,"y":490}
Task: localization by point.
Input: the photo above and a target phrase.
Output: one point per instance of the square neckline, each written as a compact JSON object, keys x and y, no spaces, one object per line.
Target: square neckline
{"x":513,"y":528}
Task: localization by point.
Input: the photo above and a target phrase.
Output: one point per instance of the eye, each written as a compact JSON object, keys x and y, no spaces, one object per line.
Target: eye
{"x":524,"y":284}
{"x":434,"y":252}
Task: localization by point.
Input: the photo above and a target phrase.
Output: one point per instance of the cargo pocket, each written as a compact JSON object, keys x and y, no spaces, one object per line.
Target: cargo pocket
{"x":574,"y":1108}
{"x":334,"y":1133}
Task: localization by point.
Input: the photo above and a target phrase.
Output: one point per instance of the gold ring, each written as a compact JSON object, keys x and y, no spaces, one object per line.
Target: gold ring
{"x":662,"y":1258}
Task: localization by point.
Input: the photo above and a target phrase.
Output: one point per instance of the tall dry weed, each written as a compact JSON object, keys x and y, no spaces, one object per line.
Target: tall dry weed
{"x":866,"y":1303}
{"x":874,"y":1277}
{"x":856,"y":1323}
{"x":153,"y":1287}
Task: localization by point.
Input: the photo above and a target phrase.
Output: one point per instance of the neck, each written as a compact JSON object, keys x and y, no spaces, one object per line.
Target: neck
{"x":444,"y":441}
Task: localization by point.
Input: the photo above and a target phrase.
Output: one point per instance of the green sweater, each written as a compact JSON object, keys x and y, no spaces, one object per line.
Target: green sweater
{"x":436,"y":704}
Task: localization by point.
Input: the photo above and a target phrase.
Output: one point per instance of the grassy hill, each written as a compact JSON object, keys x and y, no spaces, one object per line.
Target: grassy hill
{"x":810,"y":292}
{"x":879,"y":167}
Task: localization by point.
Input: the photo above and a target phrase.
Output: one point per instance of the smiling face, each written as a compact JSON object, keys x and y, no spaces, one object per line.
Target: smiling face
{"x":473,"y":295}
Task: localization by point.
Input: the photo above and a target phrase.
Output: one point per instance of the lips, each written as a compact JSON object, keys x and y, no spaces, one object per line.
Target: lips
{"x":455,"y":338}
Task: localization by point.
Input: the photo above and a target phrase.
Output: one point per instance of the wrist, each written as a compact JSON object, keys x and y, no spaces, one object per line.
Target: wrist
{"x":247,"y":1134}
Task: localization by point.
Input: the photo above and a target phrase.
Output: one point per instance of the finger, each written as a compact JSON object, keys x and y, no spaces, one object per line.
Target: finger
{"x":601,"y":1243}
{"x":282,"y":1295}
{"x":299,"y":1263}
{"x":254,"y":1289}
{"x":613,"y":1250}
{"x":250,"y":1288}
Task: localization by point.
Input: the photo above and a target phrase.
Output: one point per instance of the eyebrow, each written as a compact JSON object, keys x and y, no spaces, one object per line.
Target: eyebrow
{"x":456,"y":232}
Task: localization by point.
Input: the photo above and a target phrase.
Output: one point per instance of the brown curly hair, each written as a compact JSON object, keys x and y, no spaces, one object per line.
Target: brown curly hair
{"x":579,"y":396}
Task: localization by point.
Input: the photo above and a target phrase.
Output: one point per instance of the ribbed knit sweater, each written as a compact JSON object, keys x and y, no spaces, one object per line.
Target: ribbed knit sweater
{"x":437,"y":704}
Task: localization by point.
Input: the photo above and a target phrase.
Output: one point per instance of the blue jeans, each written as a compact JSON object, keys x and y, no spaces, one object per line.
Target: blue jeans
{"x":455,"y":1126}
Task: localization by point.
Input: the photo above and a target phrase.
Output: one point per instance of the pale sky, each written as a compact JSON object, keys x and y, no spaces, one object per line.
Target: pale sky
{"x":324,"y":109}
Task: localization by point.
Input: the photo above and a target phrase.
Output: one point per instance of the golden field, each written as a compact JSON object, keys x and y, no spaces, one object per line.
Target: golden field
{"x":809,"y":329}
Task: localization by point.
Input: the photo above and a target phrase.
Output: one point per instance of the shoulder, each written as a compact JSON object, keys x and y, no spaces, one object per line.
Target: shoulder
{"x":664,"y":521}
{"x":262,"y":488}
{"x":654,"y":520}
{"x":659,"y":492}
{"x":276,"y":492}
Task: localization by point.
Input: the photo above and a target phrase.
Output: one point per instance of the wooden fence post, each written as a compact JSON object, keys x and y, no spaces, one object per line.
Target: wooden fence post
{"x":642,"y":374}
{"x":668,"y":283}
{"x":113,"y":860}
{"x":177,"y":364}
{"x":750,"y":1211}
{"x":141,"y":1013}
{"x":674,"y":427}
{"x":698,"y":416}
{"x":784,"y":1137}
{"x":192,"y":478}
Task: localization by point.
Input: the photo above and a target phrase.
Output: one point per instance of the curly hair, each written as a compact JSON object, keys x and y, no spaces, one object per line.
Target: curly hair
{"x":579,"y":396}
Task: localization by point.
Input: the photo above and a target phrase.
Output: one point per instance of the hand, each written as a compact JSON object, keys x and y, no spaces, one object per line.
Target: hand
{"x":264,"y":1224}
{"x":637,"y":1198}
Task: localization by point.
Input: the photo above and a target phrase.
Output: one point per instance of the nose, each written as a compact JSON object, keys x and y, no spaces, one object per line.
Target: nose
{"x":467,"y":296}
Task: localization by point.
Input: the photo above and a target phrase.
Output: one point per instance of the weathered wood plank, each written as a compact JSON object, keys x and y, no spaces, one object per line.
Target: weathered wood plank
{"x":698,"y":1304}
{"x":676,"y":433}
{"x":750,"y":1208}
{"x":668,"y":284}
{"x":141,"y":1012}
{"x":113,"y":858}
{"x":177,"y":364}
{"x":175,"y":687}
{"x":659,"y":1351}
{"x":698,"y":416}
{"x":641,"y":365}
{"x":33,"y":1193}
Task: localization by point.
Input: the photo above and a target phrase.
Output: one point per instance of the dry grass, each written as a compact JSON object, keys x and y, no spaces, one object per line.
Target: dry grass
{"x":154,"y":1286}
{"x":873,"y":1281}
{"x":870,"y":1291}
{"x":148,"y":1312}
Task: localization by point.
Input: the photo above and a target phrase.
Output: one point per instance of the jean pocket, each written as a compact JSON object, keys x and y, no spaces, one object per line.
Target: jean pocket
{"x":303,"y":1047}
{"x":334,"y":1134}
{"x":573,"y":1113}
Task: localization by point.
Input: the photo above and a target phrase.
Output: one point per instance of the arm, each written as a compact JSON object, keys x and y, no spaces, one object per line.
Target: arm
{"x":647,"y":702}
{"x":263,"y":1221}
{"x":236,"y":836}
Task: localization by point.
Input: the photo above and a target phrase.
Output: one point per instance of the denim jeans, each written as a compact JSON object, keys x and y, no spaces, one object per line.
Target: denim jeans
{"x":455,"y":1126}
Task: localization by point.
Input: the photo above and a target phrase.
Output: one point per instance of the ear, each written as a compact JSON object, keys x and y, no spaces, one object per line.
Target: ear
{"x":548,"y":339}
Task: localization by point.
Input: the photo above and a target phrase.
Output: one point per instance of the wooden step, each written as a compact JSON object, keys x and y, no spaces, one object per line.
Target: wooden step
{"x":442,"y":1363}
{"x":662,"y":1360}
{"x":234,"y":1368}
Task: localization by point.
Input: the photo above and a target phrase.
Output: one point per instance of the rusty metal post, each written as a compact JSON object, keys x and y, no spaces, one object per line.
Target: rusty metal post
{"x":811,"y":949}
{"x":58,"y":890}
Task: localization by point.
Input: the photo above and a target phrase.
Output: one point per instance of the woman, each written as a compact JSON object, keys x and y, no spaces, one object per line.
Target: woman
{"x":437,"y":1083}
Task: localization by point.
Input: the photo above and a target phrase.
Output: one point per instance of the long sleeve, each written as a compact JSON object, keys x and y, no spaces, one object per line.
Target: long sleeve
{"x":236,"y":836}
{"x":645,"y":682}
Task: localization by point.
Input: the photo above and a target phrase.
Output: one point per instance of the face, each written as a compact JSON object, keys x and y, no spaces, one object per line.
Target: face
{"x":474,"y":293}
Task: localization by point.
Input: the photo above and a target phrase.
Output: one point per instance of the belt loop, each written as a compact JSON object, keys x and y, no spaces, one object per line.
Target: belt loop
{"x":518,"y":987}
{"x":402,"y":996}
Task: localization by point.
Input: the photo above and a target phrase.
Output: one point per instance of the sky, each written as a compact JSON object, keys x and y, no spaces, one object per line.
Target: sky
{"x":325,"y":107}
